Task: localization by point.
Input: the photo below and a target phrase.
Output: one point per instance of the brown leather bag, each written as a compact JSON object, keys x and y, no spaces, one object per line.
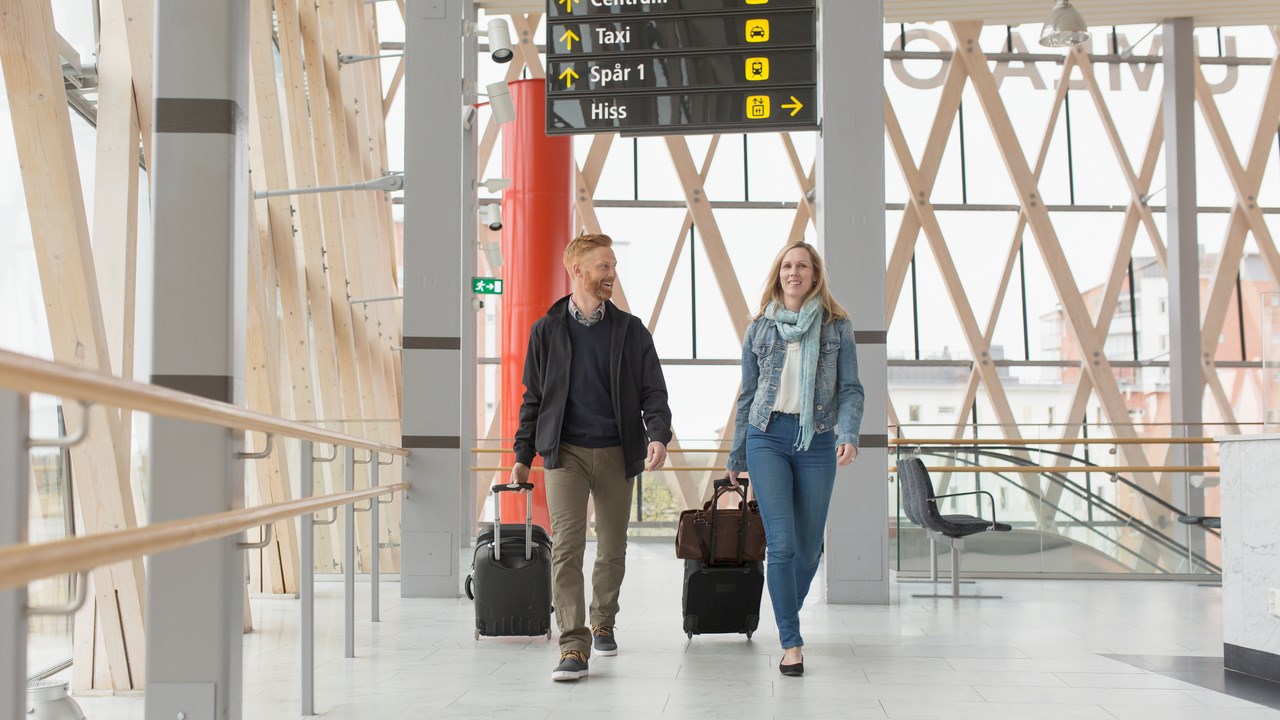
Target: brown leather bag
{"x":717,"y":535}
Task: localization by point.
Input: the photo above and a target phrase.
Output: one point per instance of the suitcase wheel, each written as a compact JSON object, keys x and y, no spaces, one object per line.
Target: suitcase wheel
{"x":477,"y":634}
{"x":470,"y":593}
{"x":690,"y":625}
{"x":749,"y":634}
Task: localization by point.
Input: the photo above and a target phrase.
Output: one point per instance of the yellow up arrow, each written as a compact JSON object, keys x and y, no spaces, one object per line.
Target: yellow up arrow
{"x":568,"y":76}
{"x":568,"y":4}
{"x":794,"y":106}
{"x":568,"y":37}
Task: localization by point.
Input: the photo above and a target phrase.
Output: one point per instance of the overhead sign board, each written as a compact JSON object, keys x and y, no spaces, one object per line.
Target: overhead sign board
{"x":680,"y":72}
{"x":681,"y":66}
{"x":581,"y":8}
{"x":677,"y":113}
{"x":763,"y":30}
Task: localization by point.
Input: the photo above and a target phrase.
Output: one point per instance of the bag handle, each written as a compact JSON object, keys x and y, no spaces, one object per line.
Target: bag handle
{"x":722,"y":486}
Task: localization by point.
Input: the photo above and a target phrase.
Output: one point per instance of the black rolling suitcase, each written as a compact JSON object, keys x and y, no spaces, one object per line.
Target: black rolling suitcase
{"x":722,"y":597}
{"x":510,"y":580}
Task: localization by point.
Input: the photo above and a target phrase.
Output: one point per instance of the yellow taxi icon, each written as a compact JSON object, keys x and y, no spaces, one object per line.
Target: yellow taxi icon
{"x":757,"y":107}
{"x":757,"y":30}
{"x":757,"y":68}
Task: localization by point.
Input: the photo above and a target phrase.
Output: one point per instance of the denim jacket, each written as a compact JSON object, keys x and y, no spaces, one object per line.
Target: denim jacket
{"x":837,"y":402}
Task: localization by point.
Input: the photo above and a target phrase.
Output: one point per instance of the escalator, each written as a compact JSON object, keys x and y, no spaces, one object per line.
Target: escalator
{"x":1087,"y":533}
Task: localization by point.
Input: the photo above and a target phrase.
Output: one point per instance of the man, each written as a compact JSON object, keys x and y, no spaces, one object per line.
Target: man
{"x":595,"y":409}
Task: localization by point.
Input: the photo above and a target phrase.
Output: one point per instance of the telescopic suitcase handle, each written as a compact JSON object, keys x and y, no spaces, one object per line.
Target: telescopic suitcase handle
{"x":528,"y":518}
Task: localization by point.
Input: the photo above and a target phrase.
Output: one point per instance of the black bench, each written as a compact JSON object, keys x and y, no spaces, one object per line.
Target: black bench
{"x":921,"y":506}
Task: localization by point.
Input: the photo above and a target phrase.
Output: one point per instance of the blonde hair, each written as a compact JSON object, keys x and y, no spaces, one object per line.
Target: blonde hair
{"x":773,"y":288}
{"x":583,"y":245}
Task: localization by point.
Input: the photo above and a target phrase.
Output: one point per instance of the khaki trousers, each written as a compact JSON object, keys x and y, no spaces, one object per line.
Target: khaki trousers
{"x":599,"y":474}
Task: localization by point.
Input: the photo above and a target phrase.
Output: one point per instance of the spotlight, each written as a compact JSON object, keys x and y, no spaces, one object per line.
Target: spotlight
{"x":500,"y":103}
{"x":491,"y":215}
{"x":499,"y":35}
{"x":500,"y":41}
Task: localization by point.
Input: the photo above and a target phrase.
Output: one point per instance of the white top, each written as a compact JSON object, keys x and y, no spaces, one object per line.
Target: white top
{"x":788,"y":399}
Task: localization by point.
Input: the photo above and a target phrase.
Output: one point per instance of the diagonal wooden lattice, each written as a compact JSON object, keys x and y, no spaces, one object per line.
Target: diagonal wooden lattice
{"x":1088,"y":329}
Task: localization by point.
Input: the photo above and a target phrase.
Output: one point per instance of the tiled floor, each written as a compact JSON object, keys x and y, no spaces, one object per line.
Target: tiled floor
{"x":1038,"y":653}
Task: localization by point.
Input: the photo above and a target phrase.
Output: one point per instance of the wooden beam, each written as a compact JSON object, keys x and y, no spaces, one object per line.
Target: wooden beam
{"x":338,"y":219}
{"x":1118,"y":276}
{"x":115,"y":218}
{"x":988,"y":336}
{"x":713,"y":242}
{"x":524,"y":27}
{"x":904,"y":245}
{"x":270,"y":171}
{"x":1229,"y":259}
{"x":139,"y":18}
{"x":678,"y":252}
{"x":396,"y":79}
{"x":382,"y":272}
{"x":55,"y":204}
{"x":1246,"y":191}
{"x":358,"y":227}
{"x":1076,"y":311}
{"x":269,"y":269}
{"x":983,"y":364}
{"x":281,"y":554}
{"x":1137,"y":192}
{"x":1024,"y":185}
{"x":319,"y":220}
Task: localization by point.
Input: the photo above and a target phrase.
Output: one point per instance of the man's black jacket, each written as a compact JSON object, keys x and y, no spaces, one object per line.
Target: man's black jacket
{"x":638,"y":389}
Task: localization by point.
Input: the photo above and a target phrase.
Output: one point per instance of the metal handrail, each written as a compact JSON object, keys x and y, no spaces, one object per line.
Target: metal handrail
{"x":969,"y":442}
{"x":24,"y":563}
{"x":665,"y":468}
{"x":912,"y":442}
{"x":26,"y":374}
{"x":1059,"y":510}
{"x":1090,"y":467}
{"x":1131,"y":521}
{"x":1046,"y":469}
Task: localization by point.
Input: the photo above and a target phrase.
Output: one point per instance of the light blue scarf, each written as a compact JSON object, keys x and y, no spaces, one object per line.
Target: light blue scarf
{"x":804,"y":326}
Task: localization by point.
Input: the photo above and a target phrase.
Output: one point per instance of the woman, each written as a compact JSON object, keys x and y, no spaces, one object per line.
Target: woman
{"x":798,"y":418}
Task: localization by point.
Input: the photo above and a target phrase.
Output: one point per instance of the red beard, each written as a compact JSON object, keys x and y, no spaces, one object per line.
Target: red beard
{"x":597,"y":290}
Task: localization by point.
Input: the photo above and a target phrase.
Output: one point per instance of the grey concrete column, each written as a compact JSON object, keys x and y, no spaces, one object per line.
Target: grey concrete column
{"x":1186,"y":364}
{"x":850,"y":209}
{"x":200,"y":206}
{"x":437,"y":209}
{"x":15,"y":479}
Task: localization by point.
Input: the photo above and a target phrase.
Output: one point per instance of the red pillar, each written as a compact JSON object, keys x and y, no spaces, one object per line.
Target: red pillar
{"x":537,"y":214}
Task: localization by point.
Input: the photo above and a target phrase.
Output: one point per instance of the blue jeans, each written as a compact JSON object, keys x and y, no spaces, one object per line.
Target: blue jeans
{"x":793,"y":489}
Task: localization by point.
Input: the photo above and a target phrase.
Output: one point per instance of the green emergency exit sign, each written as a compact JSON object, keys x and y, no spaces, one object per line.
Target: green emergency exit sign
{"x":486,"y":286}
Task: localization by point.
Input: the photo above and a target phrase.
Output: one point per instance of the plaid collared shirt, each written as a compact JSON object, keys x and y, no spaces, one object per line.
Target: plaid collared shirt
{"x":576,"y":314}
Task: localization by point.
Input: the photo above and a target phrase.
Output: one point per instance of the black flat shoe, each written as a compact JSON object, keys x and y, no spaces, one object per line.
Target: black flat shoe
{"x":795,"y":670}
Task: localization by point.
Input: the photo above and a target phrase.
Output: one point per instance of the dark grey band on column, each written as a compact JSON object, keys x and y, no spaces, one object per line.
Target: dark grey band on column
{"x":199,"y":115}
{"x":432,"y":343}
{"x":211,"y":387}
{"x":873,"y":441}
{"x":871,"y":337}
{"x":431,"y":442}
